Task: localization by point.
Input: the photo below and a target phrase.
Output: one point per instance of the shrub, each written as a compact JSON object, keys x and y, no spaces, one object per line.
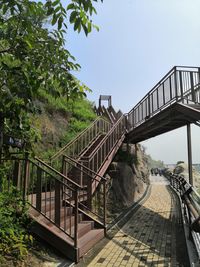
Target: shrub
{"x":14,"y":223}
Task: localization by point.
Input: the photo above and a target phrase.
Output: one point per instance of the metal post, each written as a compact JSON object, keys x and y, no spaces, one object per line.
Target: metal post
{"x":104,"y":205}
{"x":181,"y":85}
{"x":189,"y":144}
{"x":192,"y":87}
{"x":175,"y":83}
{"x":57,"y":202}
{"x":26,"y":174}
{"x":76,"y":218}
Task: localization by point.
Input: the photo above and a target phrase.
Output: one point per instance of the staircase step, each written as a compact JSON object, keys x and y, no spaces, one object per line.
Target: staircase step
{"x":86,"y":242}
{"x":84,"y":227}
{"x":87,"y":235}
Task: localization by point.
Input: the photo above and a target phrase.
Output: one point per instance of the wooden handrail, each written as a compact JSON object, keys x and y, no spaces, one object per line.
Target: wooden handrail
{"x":57,"y":172}
{"x":72,"y":142}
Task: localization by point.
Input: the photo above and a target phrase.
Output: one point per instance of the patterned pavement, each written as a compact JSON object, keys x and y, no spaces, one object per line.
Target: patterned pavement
{"x":153,"y":236}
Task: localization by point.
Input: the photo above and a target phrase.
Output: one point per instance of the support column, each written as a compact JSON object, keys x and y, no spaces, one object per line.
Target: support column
{"x":189,"y":145}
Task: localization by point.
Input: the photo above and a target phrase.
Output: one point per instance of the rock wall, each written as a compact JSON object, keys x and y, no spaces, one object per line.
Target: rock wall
{"x":128,"y":177}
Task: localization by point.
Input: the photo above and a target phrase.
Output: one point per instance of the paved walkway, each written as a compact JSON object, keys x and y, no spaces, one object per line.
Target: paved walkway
{"x":153,"y":236}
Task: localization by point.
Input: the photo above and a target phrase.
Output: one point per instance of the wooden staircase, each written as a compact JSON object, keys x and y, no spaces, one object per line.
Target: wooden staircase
{"x":68,"y":196}
{"x":88,"y":234}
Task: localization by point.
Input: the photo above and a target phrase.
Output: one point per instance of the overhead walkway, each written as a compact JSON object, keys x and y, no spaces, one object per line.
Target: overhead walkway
{"x":153,"y":236}
{"x":173,"y":102}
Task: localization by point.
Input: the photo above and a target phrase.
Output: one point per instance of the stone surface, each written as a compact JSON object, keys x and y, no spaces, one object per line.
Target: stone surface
{"x":152,"y":237}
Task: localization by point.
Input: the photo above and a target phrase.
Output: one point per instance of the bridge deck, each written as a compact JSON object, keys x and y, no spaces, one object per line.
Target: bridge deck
{"x":153,"y":236}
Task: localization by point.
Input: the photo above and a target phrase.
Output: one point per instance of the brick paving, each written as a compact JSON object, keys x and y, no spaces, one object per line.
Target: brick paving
{"x":153,"y":236}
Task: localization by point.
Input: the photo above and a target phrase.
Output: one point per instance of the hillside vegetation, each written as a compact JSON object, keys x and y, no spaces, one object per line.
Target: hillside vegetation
{"x":59,"y":121}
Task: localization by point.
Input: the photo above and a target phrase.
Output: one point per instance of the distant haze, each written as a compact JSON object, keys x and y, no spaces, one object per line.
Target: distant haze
{"x":172,"y":147}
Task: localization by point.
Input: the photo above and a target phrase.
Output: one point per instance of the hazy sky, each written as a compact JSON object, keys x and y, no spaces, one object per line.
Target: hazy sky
{"x":138,"y":43}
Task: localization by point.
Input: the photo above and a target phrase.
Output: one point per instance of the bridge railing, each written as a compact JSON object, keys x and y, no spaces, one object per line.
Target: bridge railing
{"x":179,"y":84}
{"x":191,"y":204}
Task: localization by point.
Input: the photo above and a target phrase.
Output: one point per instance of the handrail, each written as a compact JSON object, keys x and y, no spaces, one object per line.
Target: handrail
{"x":89,"y":180}
{"x":100,"y":154}
{"x":84,"y":167}
{"x":43,"y":191}
{"x":106,"y":136}
{"x":106,"y":125}
{"x":161,"y":81}
{"x":58,"y":173}
{"x":186,"y":191}
{"x":173,"y":87}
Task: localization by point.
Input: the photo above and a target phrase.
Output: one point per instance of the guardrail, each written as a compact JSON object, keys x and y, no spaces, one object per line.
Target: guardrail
{"x":80,"y":143}
{"x":191,"y":205}
{"x":53,"y":194}
{"x":93,"y":199}
{"x":179,"y":84}
{"x":101,"y":153}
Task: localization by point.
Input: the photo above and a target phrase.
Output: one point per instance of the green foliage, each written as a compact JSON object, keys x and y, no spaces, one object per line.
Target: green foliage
{"x":33,"y":57}
{"x":14,"y":237}
{"x":82,"y":116}
{"x":59,"y":122}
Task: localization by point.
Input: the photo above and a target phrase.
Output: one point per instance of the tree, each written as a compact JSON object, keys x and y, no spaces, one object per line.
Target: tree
{"x":33,"y":56}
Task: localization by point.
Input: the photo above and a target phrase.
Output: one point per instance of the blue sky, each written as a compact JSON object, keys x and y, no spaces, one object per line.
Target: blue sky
{"x":139,"y":42}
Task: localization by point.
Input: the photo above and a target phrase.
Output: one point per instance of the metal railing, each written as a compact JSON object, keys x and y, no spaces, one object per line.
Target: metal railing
{"x":52,"y":194}
{"x":100,"y":154}
{"x":93,"y":199}
{"x":179,"y":84}
{"x":81,"y":142}
{"x":191,"y":204}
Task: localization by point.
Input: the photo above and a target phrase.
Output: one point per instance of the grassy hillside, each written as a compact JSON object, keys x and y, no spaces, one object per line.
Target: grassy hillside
{"x":58,"y":121}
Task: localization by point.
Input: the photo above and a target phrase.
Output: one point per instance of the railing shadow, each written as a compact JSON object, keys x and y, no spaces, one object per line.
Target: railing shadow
{"x":148,"y":232}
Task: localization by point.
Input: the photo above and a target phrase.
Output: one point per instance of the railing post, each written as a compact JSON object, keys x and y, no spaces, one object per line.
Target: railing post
{"x":26,"y":173}
{"x":176,"y":83}
{"x":76,"y":219}
{"x":57,"y":202}
{"x":181,"y":85}
{"x":81,"y":176}
{"x":163,"y":87}
{"x":170,"y":86}
{"x":149,"y":104}
{"x":192,"y":87}
{"x":104,"y":206}
{"x":39,"y":189}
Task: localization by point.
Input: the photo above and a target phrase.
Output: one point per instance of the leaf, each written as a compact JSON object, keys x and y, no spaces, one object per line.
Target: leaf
{"x":56,"y":2}
{"x":50,"y":11}
{"x":85,"y":29}
{"x":60,"y":21}
{"x":54,"y":20}
{"x":71,"y":6}
{"x":73,"y":16}
{"x":77,"y":23}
